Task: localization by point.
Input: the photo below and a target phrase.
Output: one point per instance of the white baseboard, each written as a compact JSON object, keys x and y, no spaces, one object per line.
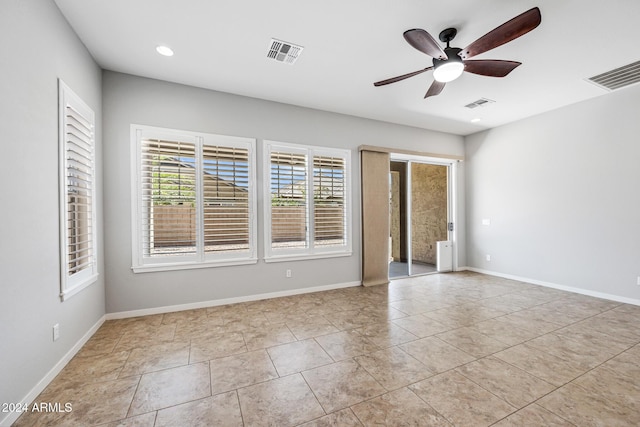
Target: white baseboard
{"x":44,"y":382}
{"x":587,"y":292}
{"x":235,"y":300}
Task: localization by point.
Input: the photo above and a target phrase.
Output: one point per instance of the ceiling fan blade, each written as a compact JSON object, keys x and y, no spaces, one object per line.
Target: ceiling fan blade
{"x":402,"y":77}
{"x":490,"y":67}
{"x":506,"y":32}
{"x":435,"y":89}
{"x":423,"y":41}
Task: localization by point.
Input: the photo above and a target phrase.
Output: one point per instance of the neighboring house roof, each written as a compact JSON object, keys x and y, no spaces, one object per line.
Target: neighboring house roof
{"x":330,"y":188}
{"x":213,"y":186}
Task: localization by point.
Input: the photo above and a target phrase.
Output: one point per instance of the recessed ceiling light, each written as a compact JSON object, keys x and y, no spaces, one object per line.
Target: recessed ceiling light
{"x":476,"y":120}
{"x":164,"y":50}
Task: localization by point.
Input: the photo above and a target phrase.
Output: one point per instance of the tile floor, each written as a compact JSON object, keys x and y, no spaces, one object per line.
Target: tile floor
{"x":458,"y":349}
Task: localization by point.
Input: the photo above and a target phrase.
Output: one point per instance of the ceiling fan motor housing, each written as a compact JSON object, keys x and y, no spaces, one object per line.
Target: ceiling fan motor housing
{"x":452,"y":56}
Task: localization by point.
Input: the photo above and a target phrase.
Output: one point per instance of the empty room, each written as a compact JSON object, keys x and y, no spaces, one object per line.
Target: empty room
{"x":337,"y":213}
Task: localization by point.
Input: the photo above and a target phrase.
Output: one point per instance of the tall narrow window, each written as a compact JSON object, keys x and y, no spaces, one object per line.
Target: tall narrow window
{"x":308,"y":213}
{"x":77,"y":192}
{"x":194,"y":200}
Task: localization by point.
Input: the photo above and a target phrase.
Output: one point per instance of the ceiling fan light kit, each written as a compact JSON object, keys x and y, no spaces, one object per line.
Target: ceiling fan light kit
{"x":449,"y":63}
{"x":447,"y":70}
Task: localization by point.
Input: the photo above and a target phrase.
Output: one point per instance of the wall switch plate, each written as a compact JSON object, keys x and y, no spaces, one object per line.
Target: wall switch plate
{"x":488,"y":257}
{"x":638,"y":281}
{"x":56,"y":331}
{"x":288,"y":273}
{"x":486,"y":221}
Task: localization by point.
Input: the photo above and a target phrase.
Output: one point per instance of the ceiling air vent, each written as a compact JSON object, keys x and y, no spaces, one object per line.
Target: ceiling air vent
{"x":618,"y":78}
{"x":482,"y":102}
{"x":284,"y":51}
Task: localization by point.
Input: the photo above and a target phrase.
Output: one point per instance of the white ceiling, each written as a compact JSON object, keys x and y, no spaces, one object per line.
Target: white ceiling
{"x":349,"y":44}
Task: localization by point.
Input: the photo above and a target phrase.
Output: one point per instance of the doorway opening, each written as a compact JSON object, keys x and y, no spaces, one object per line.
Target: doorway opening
{"x":419,"y":215}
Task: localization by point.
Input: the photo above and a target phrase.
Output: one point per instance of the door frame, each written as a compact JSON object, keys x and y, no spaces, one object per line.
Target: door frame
{"x":452,"y":208}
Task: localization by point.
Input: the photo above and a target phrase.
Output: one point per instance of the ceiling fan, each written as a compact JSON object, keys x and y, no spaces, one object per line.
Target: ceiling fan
{"x":450,"y":62}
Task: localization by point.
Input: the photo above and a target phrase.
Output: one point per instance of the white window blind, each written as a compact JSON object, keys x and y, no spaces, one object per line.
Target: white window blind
{"x":168,"y":178}
{"x":194,"y":200}
{"x":78,"y":193}
{"x":225,"y":182}
{"x":309,"y":211}
{"x":289,"y":207}
{"x":328,"y":200}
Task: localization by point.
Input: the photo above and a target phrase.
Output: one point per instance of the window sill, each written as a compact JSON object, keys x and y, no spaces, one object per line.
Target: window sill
{"x":149,"y":268}
{"x":293,"y":257}
{"x":68,"y":293}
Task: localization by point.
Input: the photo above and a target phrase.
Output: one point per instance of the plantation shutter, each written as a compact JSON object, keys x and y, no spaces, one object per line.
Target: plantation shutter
{"x":79,"y":143}
{"x":168,"y":181}
{"x":225,"y":183}
{"x":194,"y":200}
{"x":78,"y":189}
{"x":289,"y":208}
{"x":329,"y":201}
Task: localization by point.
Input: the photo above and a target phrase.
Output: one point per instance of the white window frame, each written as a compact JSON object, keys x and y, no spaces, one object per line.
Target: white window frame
{"x":311,"y":251}
{"x":71,"y":107}
{"x":141,"y":263}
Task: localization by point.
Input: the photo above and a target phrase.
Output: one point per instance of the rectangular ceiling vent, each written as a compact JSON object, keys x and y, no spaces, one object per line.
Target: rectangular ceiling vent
{"x":284,"y":51}
{"x":482,"y":102}
{"x":618,"y":78}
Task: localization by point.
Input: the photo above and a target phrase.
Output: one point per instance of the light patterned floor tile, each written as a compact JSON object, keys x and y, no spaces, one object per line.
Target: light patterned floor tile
{"x":472,"y":342}
{"x":346,"y":344}
{"x":386,"y":334}
{"x":343,"y":418}
{"x":461,"y":401}
{"x":393,"y":368}
{"x":533,"y":415}
{"x":233,"y":372}
{"x":214,"y":346}
{"x":513,"y":385}
{"x":298,"y":356}
{"x":402,"y":404}
{"x":541,"y":364}
{"x":587,"y":408}
{"x":282,"y":402}
{"x":436,"y":355}
{"x":342,"y":384}
{"x":219,"y":410}
{"x":170,"y":387}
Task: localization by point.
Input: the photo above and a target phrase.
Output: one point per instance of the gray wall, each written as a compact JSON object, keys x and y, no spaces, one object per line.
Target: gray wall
{"x":38,"y":47}
{"x":562,"y":191}
{"x":129,"y":99}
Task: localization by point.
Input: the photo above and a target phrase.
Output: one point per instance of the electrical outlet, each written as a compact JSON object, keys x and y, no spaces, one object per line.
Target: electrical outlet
{"x":288,"y":273}
{"x":56,"y":331}
{"x":488,"y":257}
{"x":638,"y":281}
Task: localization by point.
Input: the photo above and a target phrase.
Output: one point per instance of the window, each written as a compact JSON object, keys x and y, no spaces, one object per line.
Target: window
{"x":193,"y":199}
{"x":309,"y":211}
{"x":77,"y":193}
